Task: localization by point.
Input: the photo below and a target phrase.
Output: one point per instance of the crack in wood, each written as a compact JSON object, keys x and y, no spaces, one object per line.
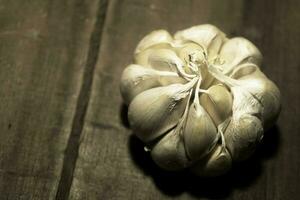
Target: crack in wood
{"x":71,"y":152}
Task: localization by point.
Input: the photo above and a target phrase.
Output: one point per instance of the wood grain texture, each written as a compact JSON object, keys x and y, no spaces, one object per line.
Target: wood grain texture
{"x":64,"y":133}
{"x":111,"y":162}
{"x":43,"y":55}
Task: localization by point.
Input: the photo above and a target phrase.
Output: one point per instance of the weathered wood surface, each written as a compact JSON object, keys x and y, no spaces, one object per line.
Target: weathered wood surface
{"x":64,"y":132}
{"x":44,"y":49}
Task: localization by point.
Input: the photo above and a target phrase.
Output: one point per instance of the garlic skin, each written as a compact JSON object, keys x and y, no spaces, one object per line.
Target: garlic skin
{"x":198,"y":99}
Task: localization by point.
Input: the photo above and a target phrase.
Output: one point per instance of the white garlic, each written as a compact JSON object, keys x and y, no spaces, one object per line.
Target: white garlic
{"x":198,"y":99}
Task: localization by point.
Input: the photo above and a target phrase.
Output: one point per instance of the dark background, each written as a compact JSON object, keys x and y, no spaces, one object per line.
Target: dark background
{"x":63,"y":127}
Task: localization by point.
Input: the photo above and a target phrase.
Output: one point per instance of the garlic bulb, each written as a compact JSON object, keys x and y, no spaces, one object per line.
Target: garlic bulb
{"x":198,"y":100}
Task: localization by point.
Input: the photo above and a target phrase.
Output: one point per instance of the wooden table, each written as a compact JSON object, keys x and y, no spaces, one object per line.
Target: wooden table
{"x":63,"y":128}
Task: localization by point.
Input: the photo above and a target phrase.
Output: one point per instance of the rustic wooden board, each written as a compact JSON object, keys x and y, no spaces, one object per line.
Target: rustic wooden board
{"x":63,"y":128}
{"x":44,"y":49}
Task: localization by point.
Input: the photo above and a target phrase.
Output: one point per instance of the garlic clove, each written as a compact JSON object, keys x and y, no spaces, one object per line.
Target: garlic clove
{"x":245,"y":71}
{"x":157,"y":110}
{"x":164,"y":60}
{"x":169,"y":152}
{"x":245,"y":102}
{"x":217,"y":101}
{"x":167,"y":60}
{"x":200,"y":133}
{"x":218,"y":162}
{"x":192,"y":55}
{"x":142,"y":57}
{"x":254,"y":81}
{"x":237,"y":51}
{"x":153,"y":38}
{"x":191,"y":50}
{"x":136,"y":79}
{"x":242,"y":136}
{"x":268,"y":95}
{"x":207,"y":36}
{"x":195,"y":61}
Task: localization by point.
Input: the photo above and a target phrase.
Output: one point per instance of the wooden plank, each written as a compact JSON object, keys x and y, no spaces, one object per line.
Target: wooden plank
{"x":111,"y":163}
{"x":44,"y":49}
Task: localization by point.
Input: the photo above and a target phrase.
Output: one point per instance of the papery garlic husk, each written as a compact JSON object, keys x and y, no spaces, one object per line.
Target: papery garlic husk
{"x":198,"y":99}
{"x":218,"y":162}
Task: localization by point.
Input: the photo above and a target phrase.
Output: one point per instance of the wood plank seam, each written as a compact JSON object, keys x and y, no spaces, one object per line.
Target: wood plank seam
{"x":71,"y":152}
